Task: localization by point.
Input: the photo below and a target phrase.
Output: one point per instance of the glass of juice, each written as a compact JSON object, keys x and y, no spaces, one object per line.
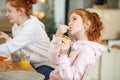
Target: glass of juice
{"x":25,"y":61}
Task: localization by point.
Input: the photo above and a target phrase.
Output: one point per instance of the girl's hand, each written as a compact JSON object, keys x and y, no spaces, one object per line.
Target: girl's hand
{"x":61,"y":30}
{"x":64,"y":46}
{"x":4,"y":35}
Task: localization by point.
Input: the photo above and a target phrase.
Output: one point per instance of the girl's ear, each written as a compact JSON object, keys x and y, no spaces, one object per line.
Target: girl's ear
{"x":21,"y":11}
{"x":87,"y":25}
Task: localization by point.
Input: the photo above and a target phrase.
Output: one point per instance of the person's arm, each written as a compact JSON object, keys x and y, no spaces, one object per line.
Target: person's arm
{"x":67,"y":71}
{"x":3,"y":35}
{"x":54,"y":49}
{"x":27,"y":36}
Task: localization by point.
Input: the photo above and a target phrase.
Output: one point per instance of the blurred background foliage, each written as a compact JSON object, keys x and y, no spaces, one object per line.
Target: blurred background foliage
{"x":44,"y":11}
{"x":49,"y":24}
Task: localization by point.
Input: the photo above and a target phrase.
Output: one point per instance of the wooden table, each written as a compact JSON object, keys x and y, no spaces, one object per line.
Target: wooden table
{"x":10,"y":65}
{"x":11,"y":70}
{"x":17,"y":73}
{"x":17,"y":66}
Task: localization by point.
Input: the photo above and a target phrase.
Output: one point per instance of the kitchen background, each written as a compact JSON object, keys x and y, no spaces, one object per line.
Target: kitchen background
{"x":54,"y":12}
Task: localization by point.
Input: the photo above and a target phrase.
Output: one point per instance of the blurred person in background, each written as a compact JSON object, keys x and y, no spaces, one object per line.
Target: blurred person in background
{"x":29,"y":36}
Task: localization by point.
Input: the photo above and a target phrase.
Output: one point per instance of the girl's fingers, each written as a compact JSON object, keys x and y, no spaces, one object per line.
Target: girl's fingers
{"x":61,"y":30}
{"x":66,"y":42}
{"x":64,"y":46}
{"x":64,"y":28}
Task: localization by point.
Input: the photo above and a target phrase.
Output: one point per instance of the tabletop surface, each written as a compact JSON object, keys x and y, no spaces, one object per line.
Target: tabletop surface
{"x":17,"y":66}
{"x":17,"y":73}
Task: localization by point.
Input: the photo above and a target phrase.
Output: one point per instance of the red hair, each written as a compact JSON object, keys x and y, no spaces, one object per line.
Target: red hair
{"x":94,"y":31}
{"x":26,"y":4}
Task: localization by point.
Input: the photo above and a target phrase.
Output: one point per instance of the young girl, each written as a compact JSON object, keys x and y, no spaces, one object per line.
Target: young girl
{"x":29,"y":36}
{"x":73,"y":57}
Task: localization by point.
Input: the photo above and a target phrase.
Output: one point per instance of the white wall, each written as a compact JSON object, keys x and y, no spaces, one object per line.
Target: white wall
{"x":59,"y":12}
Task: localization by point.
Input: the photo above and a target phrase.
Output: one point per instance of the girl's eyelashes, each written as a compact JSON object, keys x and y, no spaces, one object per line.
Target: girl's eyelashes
{"x":8,"y":10}
{"x":74,"y":19}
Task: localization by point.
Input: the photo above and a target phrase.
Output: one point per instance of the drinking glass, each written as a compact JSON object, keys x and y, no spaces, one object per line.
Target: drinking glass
{"x":25,"y":61}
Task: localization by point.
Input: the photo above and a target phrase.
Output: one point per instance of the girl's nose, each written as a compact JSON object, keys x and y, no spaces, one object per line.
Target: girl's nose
{"x":69,"y":24}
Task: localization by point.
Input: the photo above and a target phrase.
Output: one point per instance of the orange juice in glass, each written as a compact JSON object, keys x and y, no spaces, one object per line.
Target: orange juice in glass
{"x":25,"y":62}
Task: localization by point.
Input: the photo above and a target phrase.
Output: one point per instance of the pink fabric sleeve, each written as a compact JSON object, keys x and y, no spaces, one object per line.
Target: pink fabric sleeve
{"x":54,"y":50}
{"x":74,"y":70}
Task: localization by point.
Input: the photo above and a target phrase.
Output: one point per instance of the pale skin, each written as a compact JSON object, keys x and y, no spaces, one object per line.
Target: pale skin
{"x":4,"y":35}
{"x":76,"y":28}
{"x":14,"y":16}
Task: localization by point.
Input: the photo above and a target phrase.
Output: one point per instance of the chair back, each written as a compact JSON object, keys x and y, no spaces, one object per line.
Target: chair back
{"x":88,"y":73}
